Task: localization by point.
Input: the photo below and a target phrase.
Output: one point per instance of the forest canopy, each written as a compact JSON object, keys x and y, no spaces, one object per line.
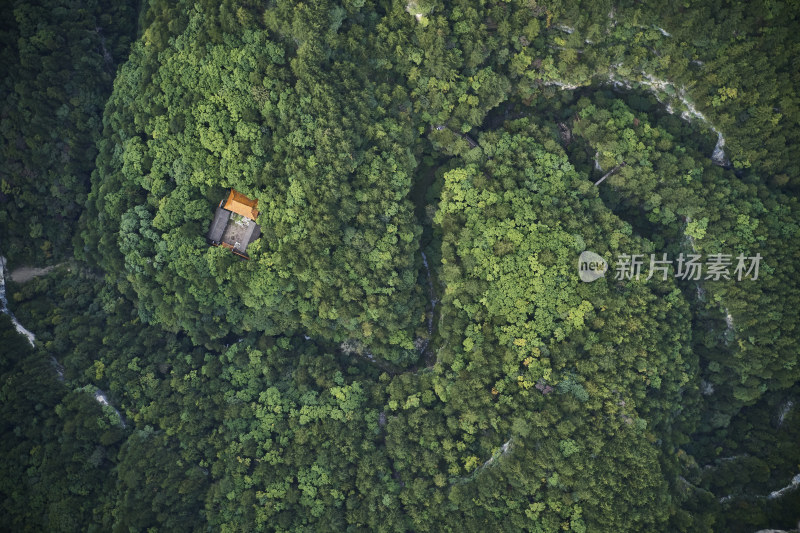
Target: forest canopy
{"x":410,"y":346}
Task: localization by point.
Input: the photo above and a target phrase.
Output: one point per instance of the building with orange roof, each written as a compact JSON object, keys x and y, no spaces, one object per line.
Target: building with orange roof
{"x":234,"y":225}
{"x":242,"y":205}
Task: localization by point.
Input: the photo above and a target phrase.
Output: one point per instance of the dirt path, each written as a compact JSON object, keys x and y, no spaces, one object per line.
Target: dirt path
{"x":25,"y":273}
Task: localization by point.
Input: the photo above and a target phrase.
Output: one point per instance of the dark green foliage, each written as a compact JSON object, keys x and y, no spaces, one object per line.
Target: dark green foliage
{"x":306,"y":134}
{"x":410,"y":347}
{"x":709,"y":210}
{"x":58,"y":59}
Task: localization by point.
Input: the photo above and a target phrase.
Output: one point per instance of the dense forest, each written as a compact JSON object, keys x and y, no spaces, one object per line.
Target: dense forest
{"x":410,"y":346}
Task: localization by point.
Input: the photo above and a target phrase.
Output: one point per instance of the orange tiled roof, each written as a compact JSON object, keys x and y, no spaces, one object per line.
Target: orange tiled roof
{"x":242,"y":205}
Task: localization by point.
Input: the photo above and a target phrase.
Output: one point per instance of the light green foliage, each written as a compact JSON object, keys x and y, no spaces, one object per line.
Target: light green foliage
{"x":334,"y":383}
{"x":323,"y":159}
{"x":716,"y":212}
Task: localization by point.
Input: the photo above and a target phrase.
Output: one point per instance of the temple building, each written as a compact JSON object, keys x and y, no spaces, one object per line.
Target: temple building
{"x":234,"y":226}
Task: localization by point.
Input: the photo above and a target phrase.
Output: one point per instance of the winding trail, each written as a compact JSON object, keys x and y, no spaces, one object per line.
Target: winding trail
{"x":784,"y":411}
{"x":102,"y":399}
{"x":501,"y":452}
{"x":788,"y":488}
{"x":433,"y":301}
{"x":4,"y":304}
{"x":21,"y":275}
{"x":654,"y":85}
